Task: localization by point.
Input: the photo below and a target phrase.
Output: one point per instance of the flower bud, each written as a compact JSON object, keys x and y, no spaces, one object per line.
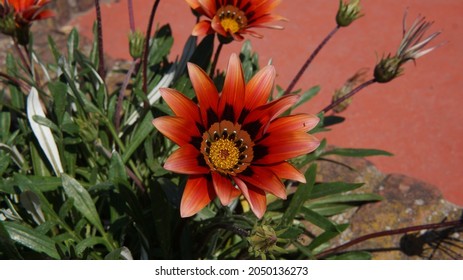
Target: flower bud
{"x":388,"y":69}
{"x":348,"y":86}
{"x":348,"y":12}
{"x":263,"y":240}
{"x":7,"y":24}
{"x":136,"y":44}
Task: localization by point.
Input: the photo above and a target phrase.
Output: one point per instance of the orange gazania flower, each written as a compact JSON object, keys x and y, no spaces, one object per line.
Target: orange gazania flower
{"x":26,"y":11}
{"x":234,"y":17}
{"x":234,"y":143}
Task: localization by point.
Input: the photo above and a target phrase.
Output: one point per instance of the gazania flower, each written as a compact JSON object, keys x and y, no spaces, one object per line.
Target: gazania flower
{"x":234,"y":143}
{"x":17,"y":15}
{"x":27,"y":10}
{"x":233,"y":18}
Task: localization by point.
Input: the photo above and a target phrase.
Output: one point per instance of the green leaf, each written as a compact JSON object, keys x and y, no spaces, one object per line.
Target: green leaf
{"x":88,"y":243}
{"x":117,"y":170}
{"x":306,"y":96}
{"x":59,"y":93}
{"x":357,"y":255}
{"x":142,"y":131}
{"x":31,"y":239}
{"x":326,"y":237}
{"x":7,"y":248}
{"x":318,"y":220}
{"x":331,"y":209}
{"x":325,"y":189}
{"x":301,"y":195}
{"x":82,"y":200}
{"x":122,"y":253}
{"x":45,"y":122}
{"x":72,"y":44}
{"x":351,"y":152}
{"x":54,"y":48}
{"x":348,"y":198}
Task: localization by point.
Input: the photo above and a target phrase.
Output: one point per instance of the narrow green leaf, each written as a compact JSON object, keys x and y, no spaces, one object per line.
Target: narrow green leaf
{"x":351,"y":152}
{"x":306,"y":96}
{"x":318,"y":220}
{"x":31,"y":239}
{"x":300,"y":196}
{"x":325,"y":189}
{"x":59,"y":92}
{"x":142,"y":131}
{"x":7,"y":247}
{"x":117,"y":170}
{"x":82,"y":200}
{"x":348,"y":198}
{"x":122,"y":253}
{"x":88,"y":243}
{"x":72,"y":44}
{"x":326,"y":237}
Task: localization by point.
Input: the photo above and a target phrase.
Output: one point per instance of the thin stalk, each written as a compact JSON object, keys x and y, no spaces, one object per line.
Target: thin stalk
{"x":350,"y":94}
{"x":120,"y":98}
{"x":101,"y":64}
{"x":309,"y":60}
{"x":22,"y":57}
{"x":131,"y":16}
{"x":146,"y":50}
{"x":387,"y":233}
{"x":13,"y":80}
{"x":216,"y":58}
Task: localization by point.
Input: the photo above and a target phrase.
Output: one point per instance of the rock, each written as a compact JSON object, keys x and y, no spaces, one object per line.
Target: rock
{"x":407,"y":202}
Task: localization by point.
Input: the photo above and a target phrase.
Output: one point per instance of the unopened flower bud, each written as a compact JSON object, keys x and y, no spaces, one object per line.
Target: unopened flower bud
{"x":388,"y":69}
{"x":136,"y":44}
{"x":348,"y":86}
{"x":7,"y":24}
{"x":263,"y":240}
{"x":348,"y":12}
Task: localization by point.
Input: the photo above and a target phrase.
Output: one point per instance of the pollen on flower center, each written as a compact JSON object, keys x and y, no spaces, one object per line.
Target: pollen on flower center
{"x":224,"y":154}
{"x":231,"y":18}
{"x":226,"y":148}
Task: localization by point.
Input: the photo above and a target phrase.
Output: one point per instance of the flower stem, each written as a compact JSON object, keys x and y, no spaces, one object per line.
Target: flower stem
{"x":145,"y":52}
{"x":386,"y":233}
{"x":131,"y":16}
{"x":22,"y":57}
{"x":120,"y":98}
{"x":101,"y":64}
{"x":216,"y":58}
{"x":350,"y":94}
{"x":309,"y":60}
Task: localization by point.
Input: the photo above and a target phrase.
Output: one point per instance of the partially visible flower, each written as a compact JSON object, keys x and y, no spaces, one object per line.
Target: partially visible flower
{"x":348,"y":86}
{"x":411,"y":47}
{"x":348,"y":12}
{"x":234,"y":143}
{"x":17,"y":15}
{"x":232,"y":19}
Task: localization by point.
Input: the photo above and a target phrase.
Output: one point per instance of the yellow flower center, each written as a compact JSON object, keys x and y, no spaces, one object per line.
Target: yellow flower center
{"x":226,"y":148}
{"x":224,"y":154}
{"x":231,"y":18}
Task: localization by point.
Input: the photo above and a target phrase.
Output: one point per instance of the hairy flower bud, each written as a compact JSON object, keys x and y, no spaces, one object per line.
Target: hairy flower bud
{"x":263,"y":240}
{"x":388,"y":69}
{"x":348,"y":86}
{"x":136,"y":44}
{"x":348,"y":12}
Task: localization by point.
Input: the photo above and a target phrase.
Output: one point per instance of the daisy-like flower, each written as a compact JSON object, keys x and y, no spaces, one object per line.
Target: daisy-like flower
{"x":16,"y":17}
{"x":26,"y":11}
{"x":233,"y":18}
{"x":235,"y":142}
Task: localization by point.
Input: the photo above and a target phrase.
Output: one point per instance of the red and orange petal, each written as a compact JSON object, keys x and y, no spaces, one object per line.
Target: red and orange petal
{"x":178,"y":130}
{"x":256,"y":197}
{"x":197,"y":194}
{"x":31,"y":9}
{"x":186,"y":160}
